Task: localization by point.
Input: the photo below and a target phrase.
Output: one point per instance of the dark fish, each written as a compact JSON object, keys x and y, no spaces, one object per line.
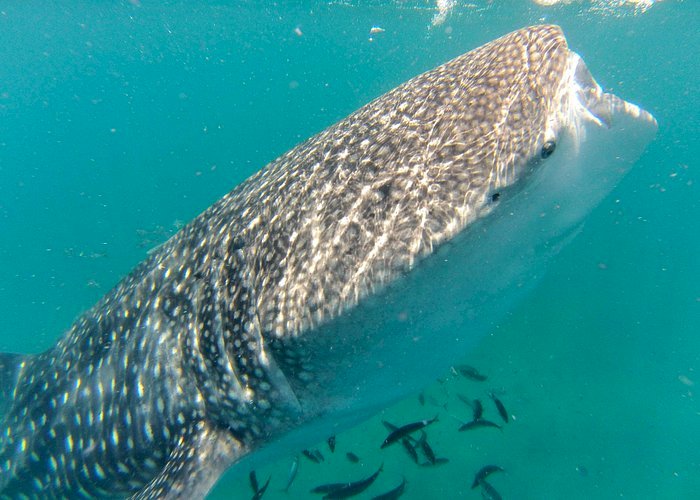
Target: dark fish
{"x":253,"y":481}
{"x":410,"y":449}
{"x":354,"y":488}
{"x":421,"y":398}
{"x":478,"y":409}
{"x":331,"y":443}
{"x":500,"y":407}
{"x":433,"y":401}
{"x":464,"y":399}
{"x":319,"y":456}
{"x":485,"y":472}
{"x":391,"y":428}
{"x":327,"y":488}
{"x":476,"y":424}
{"x":438,"y":461}
{"x":488,"y":492}
{"x":392,"y":494}
{"x":471,"y":373}
{"x":474,"y":404}
{"x":427,"y":450}
{"x":406,"y":430}
{"x":352,"y":457}
{"x":292,"y":473}
{"x":311,"y":456}
{"x":258,"y":494}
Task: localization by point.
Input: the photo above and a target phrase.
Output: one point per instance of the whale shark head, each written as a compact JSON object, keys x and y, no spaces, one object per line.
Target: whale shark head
{"x":514,"y":112}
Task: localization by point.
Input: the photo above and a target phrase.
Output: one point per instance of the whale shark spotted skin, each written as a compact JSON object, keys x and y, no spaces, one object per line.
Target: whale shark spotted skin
{"x":344,"y":275}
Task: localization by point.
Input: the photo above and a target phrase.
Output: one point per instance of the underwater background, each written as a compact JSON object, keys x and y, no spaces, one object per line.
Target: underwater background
{"x":119,"y":121}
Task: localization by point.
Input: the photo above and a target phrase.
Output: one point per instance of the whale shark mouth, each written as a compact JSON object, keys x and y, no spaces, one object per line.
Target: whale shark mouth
{"x":585,"y":102}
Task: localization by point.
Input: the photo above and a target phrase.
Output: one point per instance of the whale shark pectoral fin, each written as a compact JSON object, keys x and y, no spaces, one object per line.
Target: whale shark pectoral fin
{"x":10,"y":366}
{"x":201,"y":456}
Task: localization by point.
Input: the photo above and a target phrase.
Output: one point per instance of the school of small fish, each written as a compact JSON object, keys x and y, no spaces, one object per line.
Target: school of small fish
{"x":413,"y":438}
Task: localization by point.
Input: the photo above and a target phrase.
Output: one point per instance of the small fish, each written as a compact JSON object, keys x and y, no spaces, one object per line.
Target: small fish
{"x":434,"y":402}
{"x":331,"y":443}
{"x":500,"y":407}
{"x":391,"y":428}
{"x":421,"y":398}
{"x":474,"y":404}
{"x":354,"y":488}
{"x":327,"y":488}
{"x":470,"y":372}
{"x":488,"y":492}
{"x":258,"y":494}
{"x":319,"y":455}
{"x":405,"y":430}
{"x":427,"y":450}
{"x":292,"y":473}
{"x":253,"y":481}
{"x":352,"y":457}
{"x":476,"y":424}
{"x":438,"y":461}
{"x":375,"y":29}
{"x":464,"y":399}
{"x":485,"y":472}
{"x":477,"y":409}
{"x":311,"y":456}
{"x":392,"y":494}
{"x":410,"y":449}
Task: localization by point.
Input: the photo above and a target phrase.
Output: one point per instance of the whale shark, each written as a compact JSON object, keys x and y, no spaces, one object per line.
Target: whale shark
{"x":343,"y":276}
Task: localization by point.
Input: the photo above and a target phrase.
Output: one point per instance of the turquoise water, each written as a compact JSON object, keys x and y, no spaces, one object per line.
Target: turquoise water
{"x":118,"y":122}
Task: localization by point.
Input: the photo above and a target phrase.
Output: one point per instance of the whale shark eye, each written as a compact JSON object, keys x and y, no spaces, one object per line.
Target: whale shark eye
{"x":548,"y":148}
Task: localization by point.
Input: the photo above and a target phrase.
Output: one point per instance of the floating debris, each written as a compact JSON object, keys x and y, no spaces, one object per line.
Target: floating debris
{"x":376,"y":29}
{"x":93,"y":284}
{"x":485,"y":472}
{"x":72,"y":252}
{"x":444,"y":8}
